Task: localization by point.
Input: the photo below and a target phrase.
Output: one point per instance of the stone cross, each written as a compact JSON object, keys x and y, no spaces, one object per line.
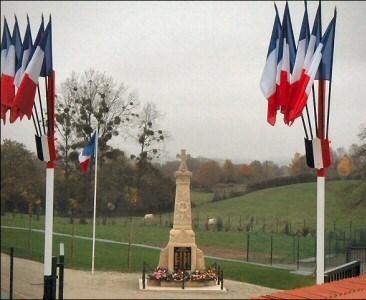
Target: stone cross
{"x":183,"y":157}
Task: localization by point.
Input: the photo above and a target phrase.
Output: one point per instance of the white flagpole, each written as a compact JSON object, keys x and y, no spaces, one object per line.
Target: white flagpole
{"x":95,"y":194}
{"x":48,"y":221}
{"x":320,"y":215}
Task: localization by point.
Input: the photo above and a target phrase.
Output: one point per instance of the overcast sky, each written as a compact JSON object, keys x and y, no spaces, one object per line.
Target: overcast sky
{"x":200,"y":63}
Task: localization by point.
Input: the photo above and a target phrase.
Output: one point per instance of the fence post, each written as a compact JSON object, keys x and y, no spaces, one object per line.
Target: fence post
{"x":61,"y":265}
{"x":54,"y":276}
{"x":293,"y":249}
{"x":11,"y":272}
{"x":271,"y":249}
{"x":143,"y":275}
{"x":222,"y":279}
{"x":298,"y":253}
{"x":218,"y":275}
{"x":248,"y":240}
{"x":183,"y":280}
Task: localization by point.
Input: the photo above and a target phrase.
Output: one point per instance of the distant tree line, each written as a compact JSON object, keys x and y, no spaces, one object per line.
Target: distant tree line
{"x":228,"y":180}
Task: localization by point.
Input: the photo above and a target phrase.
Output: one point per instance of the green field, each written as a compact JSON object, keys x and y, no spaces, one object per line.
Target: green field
{"x":269,"y":209}
{"x":114,"y":257}
{"x":292,"y":203}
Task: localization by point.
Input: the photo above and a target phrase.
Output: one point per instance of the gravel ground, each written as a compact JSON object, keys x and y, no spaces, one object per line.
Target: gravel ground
{"x":28,"y":284}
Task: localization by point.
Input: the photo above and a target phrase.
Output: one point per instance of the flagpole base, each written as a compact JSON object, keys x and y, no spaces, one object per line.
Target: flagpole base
{"x":49,"y":290}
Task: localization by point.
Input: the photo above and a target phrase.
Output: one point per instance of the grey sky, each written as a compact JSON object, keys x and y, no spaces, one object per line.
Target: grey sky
{"x":201,"y":62}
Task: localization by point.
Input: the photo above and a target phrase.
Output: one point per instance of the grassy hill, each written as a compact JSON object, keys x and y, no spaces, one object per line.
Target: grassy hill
{"x":292,"y":203}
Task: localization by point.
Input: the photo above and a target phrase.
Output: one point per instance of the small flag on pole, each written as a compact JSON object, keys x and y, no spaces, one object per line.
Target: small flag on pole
{"x":87,"y":153}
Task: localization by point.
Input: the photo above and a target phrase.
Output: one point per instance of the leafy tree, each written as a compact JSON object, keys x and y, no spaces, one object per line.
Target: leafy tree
{"x":298,"y":165}
{"x":245,"y":172}
{"x":149,"y":137}
{"x":257,"y":169}
{"x":344,"y":167}
{"x":22,"y":183}
{"x":88,"y":101}
{"x":228,"y":171}
{"x":209,"y":174}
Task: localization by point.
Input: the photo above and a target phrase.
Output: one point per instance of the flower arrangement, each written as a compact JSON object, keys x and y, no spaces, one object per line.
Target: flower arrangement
{"x":159,"y":274}
{"x":162,"y":274}
{"x":203,"y":275}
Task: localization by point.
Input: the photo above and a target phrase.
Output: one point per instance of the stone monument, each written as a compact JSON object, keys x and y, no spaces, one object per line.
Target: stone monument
{"x":182,"y":253}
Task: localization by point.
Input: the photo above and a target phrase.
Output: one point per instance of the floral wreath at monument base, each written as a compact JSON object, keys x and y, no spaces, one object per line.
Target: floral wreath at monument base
{"x":162,"y":274}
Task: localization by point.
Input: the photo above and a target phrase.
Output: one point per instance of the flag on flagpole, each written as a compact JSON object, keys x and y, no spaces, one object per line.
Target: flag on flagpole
{"x":24,"y":99}
{"x":5,"y":44}
{"x":308,"y":76}
{"x":47,"y":67}
{"x":25,"y":55}
{"x":268,"y":79}
{"x":302,"y":46}
{"x":286,"y":60}
{"x":9,"y":69}
{"x":87,"y":153}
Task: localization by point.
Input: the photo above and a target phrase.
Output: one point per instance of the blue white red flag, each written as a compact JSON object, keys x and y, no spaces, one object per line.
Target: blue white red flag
{"x":268,"y":79}
{"x":25,"y":56}
{"x":5,"y":44}
{"x":324,"y":48}
{"x":8,"y":70}
{"x":24,"y":99}
{"x":302,"y":47}
{"x":87,"y":153}
{"x":285,"y":60}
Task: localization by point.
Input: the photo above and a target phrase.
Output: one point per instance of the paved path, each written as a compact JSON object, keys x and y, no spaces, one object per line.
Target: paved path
{"x":28,"y":284}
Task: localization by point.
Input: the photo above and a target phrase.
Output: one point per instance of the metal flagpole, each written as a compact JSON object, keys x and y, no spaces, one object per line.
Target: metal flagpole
{"x":95,"y":194}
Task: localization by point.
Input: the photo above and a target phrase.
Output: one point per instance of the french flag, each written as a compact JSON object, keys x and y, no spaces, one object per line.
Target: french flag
{"x":325,"y":48}
{"x":268,"y":79}
{"x":9,"y":69}
{"x":285,"y":60}
{"x":87,"y":153}
{"x":24,"y":99}
{"x":5,"y":44}
{"x":314,"y":41}
{"x":302,"y":47}
{"x":25,"y":56}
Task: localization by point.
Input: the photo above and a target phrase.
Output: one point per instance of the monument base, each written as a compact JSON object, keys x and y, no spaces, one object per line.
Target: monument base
{"x":178,"y":286}
{"x":181,"y":252}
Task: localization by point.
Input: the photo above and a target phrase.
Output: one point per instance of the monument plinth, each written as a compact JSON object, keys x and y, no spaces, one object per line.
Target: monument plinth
{"x":181,"y":252}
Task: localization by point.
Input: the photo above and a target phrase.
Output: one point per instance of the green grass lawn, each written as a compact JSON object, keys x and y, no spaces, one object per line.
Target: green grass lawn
{"x":114,"y":257}
{"x":200,"y":198}
{"x":292,"y":203}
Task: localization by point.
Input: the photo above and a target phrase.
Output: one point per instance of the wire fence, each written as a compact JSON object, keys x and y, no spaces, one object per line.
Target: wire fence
{"x":292,"y":251}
